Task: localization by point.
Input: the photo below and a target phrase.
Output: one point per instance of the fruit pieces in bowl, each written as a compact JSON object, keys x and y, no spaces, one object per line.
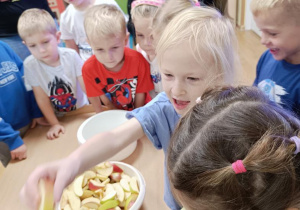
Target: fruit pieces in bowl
{"x":109,"y":185}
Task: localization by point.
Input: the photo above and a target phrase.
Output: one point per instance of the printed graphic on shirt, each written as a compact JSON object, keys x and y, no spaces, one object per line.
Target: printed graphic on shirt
{"x":62,"y":95}
{"x":156,"y":77}
{"x":121,"y":92}
{"x":7,"y":72}
{"x":273,"y":91}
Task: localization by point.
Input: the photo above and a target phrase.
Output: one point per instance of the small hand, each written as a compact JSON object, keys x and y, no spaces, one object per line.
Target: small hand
{"x":39,"y":121}
{"x":55,"y":130}
{"x":19,"y":153}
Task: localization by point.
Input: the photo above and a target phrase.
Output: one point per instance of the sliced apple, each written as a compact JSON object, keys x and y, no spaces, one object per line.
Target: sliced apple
{"x":46,"y":192}
{"x":108,"y":188}
{"x":109,"y":196}
{"x":89,"y":174}
{"x":93,"y":185}
{"x":117,"y":168}
{"x":125,"y":176}
{"x":134,"y":185}
{"x":130,"y":201}
{"x":110,"y":204}
{"x":127,"y":194}
{"x":117,"y":208}
{"x":86,"y":194}
{"x":74,"y":201}
{"x":106,"y":181}
{"x":77,"y":186}
{"x":67,"y":207}
{"x":125,"y":185}
{"x":92,"y":203}
{"x":106,"y":172}
{"x":116,"y":176}
{"x":120,"y":192}
{"x":102,"y":178}
{"x":63,"y":200}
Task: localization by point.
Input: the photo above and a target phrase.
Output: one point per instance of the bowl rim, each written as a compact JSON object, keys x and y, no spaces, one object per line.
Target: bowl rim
{"x":80,"y":137}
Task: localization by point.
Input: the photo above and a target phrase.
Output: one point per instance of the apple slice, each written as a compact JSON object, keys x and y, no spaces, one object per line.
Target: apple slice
{"x":110,"y":204}
{"x":46,"y":192}
{"x":89,"y":175}
{"x":130,"y":201}
{"x":109,"y":196}
{"x":108,"y":188}
{"x":134,"y":185}
{"x":117,"y":168}
{"x":106,"y":172}
{"x":67,"y":207}
{"x":125,"y":176}
{"x":120,"y":192}
{"x":86,"y":194}
{"x":77,"y":186}
{"x":127,"y":194}
{"x":125,"y":185}
{"x":74,"y":201}
{"x":93,"y":185}
{"x":92,"y":203}
{"x":116,"y":176}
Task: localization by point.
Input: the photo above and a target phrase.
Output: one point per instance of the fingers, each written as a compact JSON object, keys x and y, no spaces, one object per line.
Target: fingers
{"x":33,"y":124}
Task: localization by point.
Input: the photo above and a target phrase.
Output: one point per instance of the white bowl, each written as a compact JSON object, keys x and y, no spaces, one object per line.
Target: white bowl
{"x":105,"y":121}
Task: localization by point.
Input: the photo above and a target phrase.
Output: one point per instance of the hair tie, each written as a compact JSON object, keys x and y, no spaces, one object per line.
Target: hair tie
{"x":296,"y":140}
{"x":197,"y":4}
{"x":198,"y":100}
{"x":156,"y":3}
{"x":238,"y":167}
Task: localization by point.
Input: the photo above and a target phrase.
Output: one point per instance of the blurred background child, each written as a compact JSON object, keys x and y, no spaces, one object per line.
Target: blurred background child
{"x":53,"y":73}
{"x":142,"y":13}
{"x":236,"y":149}
{"x":72,"y":25}
{"x":189,"y":63}
{"x":278,"y":70}
{"x":18,"y":107}
{"x":115,"y":75}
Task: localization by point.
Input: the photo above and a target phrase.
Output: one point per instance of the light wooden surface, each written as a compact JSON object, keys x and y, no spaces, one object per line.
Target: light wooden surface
{"x":145,"y":158}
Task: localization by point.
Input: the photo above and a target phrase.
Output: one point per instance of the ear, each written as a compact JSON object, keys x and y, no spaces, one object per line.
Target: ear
{"x":57,"y":35}
{"x":24,"y":42}
{"x":126,"y":38}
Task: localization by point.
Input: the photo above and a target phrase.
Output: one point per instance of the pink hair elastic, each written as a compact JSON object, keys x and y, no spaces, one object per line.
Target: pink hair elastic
{"x":296,"y":140}
{"x":157,"y":3}
{"x":238,"y":167}
{"x":197,"y":4}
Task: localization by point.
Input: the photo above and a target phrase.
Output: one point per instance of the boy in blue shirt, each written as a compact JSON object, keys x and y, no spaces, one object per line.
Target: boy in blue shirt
{"x":17,"y":106}
{"x":278,"y":70}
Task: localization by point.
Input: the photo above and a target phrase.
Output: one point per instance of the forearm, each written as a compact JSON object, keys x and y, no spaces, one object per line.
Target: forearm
{"x":96,"y":103}
{"x":71,"y":44}
{"x":47,"y":110}
{"x":139,"y":100}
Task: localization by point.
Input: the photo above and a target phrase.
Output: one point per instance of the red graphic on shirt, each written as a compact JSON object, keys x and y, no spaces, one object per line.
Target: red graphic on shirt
{"x":61,"y":95}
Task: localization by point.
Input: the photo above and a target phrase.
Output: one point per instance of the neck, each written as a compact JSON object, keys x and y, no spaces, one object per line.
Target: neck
{"x":85,"y":5}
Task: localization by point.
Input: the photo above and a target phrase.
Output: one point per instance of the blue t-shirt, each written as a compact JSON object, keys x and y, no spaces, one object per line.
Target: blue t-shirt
{"x":9,"y":136}
{"x":17,"y":106}
{"x":279,"y":80}
{"x":158,"y":119}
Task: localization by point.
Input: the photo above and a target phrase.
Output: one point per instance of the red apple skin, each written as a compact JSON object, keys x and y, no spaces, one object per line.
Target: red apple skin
{"x":116,"y":176}
{"x":93,"y":187}
{"x":117,"y":168}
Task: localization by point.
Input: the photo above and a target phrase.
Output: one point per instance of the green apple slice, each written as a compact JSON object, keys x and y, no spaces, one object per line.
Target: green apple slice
{"x":109,"y":196}
{"x":46,"y":192}
{"x":130,"y":201}
{"x":109,"y":205}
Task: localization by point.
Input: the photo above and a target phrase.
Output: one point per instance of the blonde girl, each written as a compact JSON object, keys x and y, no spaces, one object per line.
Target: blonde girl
{"x":236,"y":149}
{"x":188,"y":65}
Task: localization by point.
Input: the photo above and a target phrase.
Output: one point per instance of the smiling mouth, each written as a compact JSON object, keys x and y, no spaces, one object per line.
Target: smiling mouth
{"x":181,"y":103}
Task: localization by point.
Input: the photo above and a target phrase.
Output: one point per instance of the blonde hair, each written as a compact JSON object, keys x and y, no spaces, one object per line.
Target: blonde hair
{"x":143,"y":10}
{"x":104,"y":20}
{"x":289,"y":6}
{"x":210,"y":35}
{"x":35,"y":20}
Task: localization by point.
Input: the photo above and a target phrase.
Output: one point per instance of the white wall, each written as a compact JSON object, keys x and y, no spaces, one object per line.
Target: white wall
{"x":249,"y":21}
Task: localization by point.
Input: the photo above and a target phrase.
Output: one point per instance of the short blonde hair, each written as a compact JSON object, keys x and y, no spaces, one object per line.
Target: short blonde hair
{"x":292,"y":7}
{"x":143,"y":10}
{"x":210,"y":35}
{"x":35,"y":20}
{"x":104,"y":20}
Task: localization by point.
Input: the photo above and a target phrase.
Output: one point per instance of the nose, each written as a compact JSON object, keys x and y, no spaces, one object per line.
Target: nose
{"x":42,"y":49}
{"x":264,"y":39}
{"x":110,"y":55}
{"x":148,"y":41}
{"x":178,"y":88}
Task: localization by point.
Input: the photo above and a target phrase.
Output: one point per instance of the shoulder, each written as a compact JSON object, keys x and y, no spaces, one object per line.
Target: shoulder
{"x":132,"y":54}
{"x":64,"y":51}
{"x":92,"y":61}
{"x":31,"y":61}
{"x":68,"y":13}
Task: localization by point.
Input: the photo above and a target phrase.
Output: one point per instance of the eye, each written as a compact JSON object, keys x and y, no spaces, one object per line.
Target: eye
{"x":31,"y":46}
{"x":273,"y":34}
{"x":45,"y":42}
{"x":115,"y":48}
{"x":140,"y":35}
{"x":99,"y":50}
{"x":193,"y":78}
{"x":168,"y":75}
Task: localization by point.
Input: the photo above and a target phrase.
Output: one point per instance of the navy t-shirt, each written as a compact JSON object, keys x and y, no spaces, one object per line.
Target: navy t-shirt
{"x":11,"y":11}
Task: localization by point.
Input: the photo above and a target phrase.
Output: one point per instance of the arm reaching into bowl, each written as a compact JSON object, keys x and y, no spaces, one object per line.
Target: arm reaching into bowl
{"x":95,"y":150}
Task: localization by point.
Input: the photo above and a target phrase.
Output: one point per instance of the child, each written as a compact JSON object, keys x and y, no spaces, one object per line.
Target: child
{"x":236,"y":149}
{"x":278,"y":69}
{"x":116,"y":76}
{"x":53,"y":73}
{"x":17,"y":106}
{"x":142,"y":13}
{"x":185,"y":75}
{"x":72,"y":27}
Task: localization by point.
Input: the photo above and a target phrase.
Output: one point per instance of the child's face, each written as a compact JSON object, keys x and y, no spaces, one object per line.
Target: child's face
{"x":144,"y":36}
{"x":110,"y":51}
{"x":183,"y":78}
{"x":280,"y":35}
{"x":43,"y":46}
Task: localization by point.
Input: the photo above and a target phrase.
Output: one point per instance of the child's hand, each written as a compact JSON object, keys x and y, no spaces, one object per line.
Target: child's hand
{"x":39,"y":121}
{"x":61,"y":172}
{"x":55,"y":130}
{"x":19,"y":153}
